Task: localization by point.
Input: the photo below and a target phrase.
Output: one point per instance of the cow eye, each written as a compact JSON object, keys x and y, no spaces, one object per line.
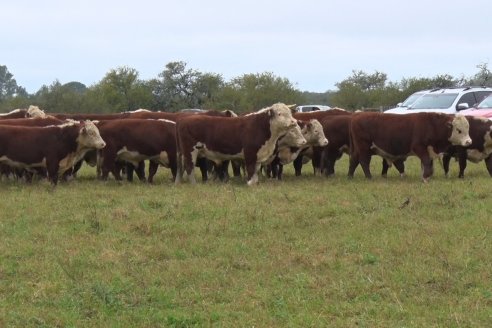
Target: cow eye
{"x":459,"y":131}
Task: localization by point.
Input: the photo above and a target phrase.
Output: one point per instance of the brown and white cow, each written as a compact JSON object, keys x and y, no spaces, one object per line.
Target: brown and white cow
{"x":252,"y":138}
{"x":315,"y":153}
{"x":312,"y":131}
{"x":480,"y":148}
{"x":56,"y":148}
{"x":136,"y":140}
{"x":394,"y":137}
{"x":336,"y":129}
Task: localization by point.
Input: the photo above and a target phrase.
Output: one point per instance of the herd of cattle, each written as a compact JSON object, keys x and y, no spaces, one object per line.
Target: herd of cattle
{"x":56,"y":145}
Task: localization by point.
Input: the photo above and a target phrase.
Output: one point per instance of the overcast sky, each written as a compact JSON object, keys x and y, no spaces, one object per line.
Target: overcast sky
{"x":314,"y":44}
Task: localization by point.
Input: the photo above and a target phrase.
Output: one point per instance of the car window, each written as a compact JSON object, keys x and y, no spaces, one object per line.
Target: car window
{"x":434,"y":101}
{"x":411,"y":99}
{"x":481,"y":95}
{"x":486,"y":103}
{"x":468,"y":98}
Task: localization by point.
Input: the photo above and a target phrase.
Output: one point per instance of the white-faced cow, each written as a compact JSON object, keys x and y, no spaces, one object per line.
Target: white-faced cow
{"x":252,"y":138}
{"x":395,"y":137}
{"x":56,"y":148}
{"x":288,"y":151}
{"x":480,"y":148}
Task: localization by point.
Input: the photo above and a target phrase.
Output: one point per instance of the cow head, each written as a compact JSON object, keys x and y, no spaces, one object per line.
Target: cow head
{"x":313,"y":132}
{"x":293,"y":137}
{"x":460,"y":129}
{"x":281,"y":118}
{"x":89,"y":136}
{"x":35,"y":112}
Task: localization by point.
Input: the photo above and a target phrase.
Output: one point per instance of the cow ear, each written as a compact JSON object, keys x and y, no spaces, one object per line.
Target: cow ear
{"x":271,"y":113}
{"x":309,"y":126}
{"x":450,"y":125}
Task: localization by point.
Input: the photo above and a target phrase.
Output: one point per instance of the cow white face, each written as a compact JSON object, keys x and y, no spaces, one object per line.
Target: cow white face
{"x":460,"y":131}
{"x":313,"y":132}
{"x":293,"y":138}
{"x":35,"y":112}
{"x":89,"y":136}
{"x":281,"y":118}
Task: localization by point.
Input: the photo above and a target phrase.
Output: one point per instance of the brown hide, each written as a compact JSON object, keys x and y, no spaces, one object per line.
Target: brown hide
{"x":336,"y":129}
{"x":147,"y":137}
{"x":174,"y":116}
{"x":319,"y":114}
{"x":31,"y":145}
{"x":21,"y":113}
{"x":398,"y":136}
{"x":32,"y":121}
{"x":90,"y":116}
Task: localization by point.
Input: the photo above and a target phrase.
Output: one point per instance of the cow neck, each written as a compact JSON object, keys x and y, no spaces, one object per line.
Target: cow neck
{"x":440,"y":142}
{"x":68,"y":135}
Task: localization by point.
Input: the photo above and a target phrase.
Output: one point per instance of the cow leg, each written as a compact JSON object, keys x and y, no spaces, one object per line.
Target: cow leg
{"x":365,"y":162}
{"x":353,"y":163}
{"x":488,"y":164}
{"x":117,"y":167}
{"x":427,"y":168}
{"x":252,"y":169}
{"x":236,"y":168}
{"x":202,"y":164}
{"x":280,"y":171}
{"x":386,"y":166}
{"x":400,"y":166}
{"x":329,"y":160}
{"x":173,"y":165}
{"x":298,"y":165}
{"x":462,"y":161}
{"x":140,"y":171}
{"x":445,"y":163}
{"x":152,"y":170}
{"x":189,"y":159}
{"x":52,"y":168}
{"x":129,"y":168}
{"x":316,"y":160}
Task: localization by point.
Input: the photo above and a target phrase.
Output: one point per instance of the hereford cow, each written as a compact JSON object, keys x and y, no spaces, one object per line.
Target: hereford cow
{"x":480,"y":148}
{"x":32,"y":121}
{"x":394,"y":137}
{"x":56,"y":148}
{"x":252,"y":138}
{"x":136,"y":140}
{"x":288,"y":151}
{"x":315,"y":153}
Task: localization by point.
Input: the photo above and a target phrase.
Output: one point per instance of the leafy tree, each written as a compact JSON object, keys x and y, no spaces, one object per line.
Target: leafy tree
{"x":251,"y":92}
{"x":482,"y":78}
{"x":8,"y":85}
{"x":121,"y":90}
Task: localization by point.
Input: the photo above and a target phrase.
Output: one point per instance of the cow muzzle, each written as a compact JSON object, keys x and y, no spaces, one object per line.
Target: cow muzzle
{"x":467,"y":142}
{"x":101,"y":145}
{"x":324,"y":142}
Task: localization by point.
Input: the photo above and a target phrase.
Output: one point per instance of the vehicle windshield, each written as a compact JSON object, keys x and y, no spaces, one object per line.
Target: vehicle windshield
{"x":410,"y":100}
{"x":486,"y":103}
{"x":435,"y":101}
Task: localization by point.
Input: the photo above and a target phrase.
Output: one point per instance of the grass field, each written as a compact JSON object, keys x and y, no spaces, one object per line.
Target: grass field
{"x":304,"y":252}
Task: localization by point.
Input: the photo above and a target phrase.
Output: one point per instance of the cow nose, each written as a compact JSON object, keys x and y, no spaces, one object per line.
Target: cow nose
{"x":468,"y":142}
{"x":102,"y":144}
{"x":325,"y":142}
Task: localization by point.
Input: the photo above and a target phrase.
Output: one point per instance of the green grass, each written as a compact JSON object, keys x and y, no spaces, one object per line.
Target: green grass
{"x":304,"y":252}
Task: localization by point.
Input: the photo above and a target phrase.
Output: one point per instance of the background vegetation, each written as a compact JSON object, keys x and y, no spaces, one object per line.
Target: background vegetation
{"x":305,"y":252}
{"x":178,"y":87}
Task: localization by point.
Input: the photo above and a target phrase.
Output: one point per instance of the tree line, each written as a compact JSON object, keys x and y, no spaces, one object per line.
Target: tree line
{"x":178,"y":87}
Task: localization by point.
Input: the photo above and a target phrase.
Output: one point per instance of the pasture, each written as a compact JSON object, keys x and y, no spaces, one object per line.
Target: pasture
{"x":304,"y":252}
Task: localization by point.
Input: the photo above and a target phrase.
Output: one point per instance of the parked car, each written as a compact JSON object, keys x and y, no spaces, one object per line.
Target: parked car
{"x":448,"y":100}
{"x":410,"y":100}
{"x":483,"y":109}
{"x":311,"y":108}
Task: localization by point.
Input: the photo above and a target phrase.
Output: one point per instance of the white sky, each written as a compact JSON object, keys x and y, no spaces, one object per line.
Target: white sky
{"x":314,"y":44}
